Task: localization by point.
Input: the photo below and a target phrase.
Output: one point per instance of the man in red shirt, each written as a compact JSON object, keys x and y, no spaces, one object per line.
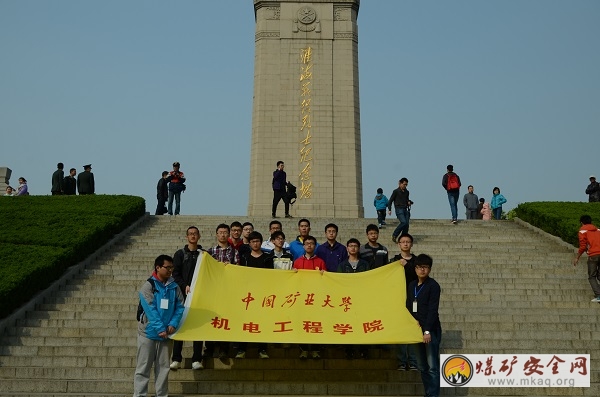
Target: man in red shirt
{"x":309,"y":261}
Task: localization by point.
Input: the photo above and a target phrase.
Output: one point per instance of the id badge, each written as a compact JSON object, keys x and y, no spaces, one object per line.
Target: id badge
{"x":164,"y":304}
{"x":415,"y":306}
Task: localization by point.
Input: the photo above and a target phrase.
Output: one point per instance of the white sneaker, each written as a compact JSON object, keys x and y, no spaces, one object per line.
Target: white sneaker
{"x":175,"y":365}
{"x":240,"y":354}
{"x":263,"y":354}
{"x":596,"y":299}
{"x":197,"y":365}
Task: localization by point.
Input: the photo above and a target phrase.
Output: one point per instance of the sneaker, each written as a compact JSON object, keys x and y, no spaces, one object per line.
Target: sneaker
{"x":303,"y":355}
{"x":412,"y":367}
{"x":288,"y":216}
{"x":240,"y":354}
{"x":380,"y":226}
{"x":454,"y":221}
{"x":596,"y":299}
{"x":263,"y":354}
{"x":394,"y":238}
{"x":273,"y":215}
{"x":197,"y":365}
{"x":315,"y":355}
{"x":401,"y":367}
{"x":175,"y":365}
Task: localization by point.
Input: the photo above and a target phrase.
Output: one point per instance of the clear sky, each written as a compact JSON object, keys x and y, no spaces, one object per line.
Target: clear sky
{"x":507,"y":91}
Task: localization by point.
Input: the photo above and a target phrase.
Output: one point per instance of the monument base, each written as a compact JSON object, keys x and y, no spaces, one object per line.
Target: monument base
{"x":300,"y":210}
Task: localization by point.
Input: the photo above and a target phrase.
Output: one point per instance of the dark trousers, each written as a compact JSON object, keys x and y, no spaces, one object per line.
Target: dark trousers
{"x":381,"y":217}
{"x":161,"y":207}
{"x":178,"y":346}
{"x":280,"y":195}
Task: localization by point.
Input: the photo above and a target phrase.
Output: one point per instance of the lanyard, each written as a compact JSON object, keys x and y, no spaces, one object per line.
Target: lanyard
{"x":418,"y":292}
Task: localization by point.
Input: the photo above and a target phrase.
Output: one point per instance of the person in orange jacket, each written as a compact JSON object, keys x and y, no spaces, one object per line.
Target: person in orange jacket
{"x":589,"y":241}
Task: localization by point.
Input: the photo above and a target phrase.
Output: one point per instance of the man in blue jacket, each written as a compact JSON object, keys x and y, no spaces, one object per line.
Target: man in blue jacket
{"x":162,"y":304}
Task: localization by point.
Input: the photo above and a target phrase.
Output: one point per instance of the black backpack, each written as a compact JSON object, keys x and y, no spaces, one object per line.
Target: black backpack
{"x":140,"y":309}
{"x":290,"y":194}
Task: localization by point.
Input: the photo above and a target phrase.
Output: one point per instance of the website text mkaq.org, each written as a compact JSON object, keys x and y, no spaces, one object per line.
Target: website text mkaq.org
{"x":515,"y":370}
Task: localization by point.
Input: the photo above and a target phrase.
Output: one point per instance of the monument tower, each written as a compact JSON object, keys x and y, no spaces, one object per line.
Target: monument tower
{"x":306,"y":107}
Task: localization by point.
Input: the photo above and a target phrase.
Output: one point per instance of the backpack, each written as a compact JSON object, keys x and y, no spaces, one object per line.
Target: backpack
{"x":291,"y":193}
{"x":453,"y":183}
{"x":140,"y":309}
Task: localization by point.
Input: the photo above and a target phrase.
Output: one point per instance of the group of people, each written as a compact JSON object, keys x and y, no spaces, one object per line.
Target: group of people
{"x":22,"y":190}
{"x":69,"y":185}
{"x":239,"y":244}
{"x":476,"y":208}
{"x":169,"y":189}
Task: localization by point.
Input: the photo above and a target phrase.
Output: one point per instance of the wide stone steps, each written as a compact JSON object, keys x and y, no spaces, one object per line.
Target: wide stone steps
{"x":505,"y":289}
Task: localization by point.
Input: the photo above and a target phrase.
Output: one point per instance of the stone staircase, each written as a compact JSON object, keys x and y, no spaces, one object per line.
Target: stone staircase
{"x":505,"y":289}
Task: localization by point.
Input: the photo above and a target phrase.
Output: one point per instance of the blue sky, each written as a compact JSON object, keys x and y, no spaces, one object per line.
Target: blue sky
{"x":507,"y":91}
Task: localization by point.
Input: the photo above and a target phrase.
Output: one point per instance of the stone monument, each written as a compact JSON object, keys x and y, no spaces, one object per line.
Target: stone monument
{"x":306,"y":107}
{"x":5,"y":174}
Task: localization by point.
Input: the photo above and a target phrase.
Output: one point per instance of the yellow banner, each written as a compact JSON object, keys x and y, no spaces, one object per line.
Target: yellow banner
{"x":234,"y":303}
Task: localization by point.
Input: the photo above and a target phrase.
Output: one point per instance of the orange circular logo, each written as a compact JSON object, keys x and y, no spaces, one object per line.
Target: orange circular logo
{"x":457,"y":370}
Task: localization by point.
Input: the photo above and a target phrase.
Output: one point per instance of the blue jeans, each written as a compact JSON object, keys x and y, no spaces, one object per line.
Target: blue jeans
{"x":453,"y":200}
{"x":428,"y":362}
{"x":497,"y":213}
{"x":177,"y":196}
{"x":404,"y":217}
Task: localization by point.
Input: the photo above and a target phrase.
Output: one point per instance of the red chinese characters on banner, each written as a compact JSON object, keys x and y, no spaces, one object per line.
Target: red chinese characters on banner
{"x":311,"y":327}
{"x":290,"y":300}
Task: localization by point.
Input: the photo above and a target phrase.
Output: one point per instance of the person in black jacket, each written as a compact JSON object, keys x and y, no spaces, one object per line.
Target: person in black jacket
{"x":406,"y":355}
{"x":423,"y":302}
{"x":184,"y":262}
{"x":162,"y":194}
{"x":70,"y":183}
{"x":400,"y":200}
{"x":58,"y":180}
{"x":85,"y":181}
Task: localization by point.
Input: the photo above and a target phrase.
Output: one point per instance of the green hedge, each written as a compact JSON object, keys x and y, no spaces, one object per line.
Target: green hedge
{"x":41,"y":236}
{"x":558,"y":218}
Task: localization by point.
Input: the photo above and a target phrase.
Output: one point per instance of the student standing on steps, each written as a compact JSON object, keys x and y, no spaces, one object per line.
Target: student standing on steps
{"x":589,"y":241}
{"x":423,"y":301}
{"x":373,"y":252}
{"x":407,"y":359}
{"x":184,"y":262}
{"x":331,"y":251}
{"x":162,"y":304}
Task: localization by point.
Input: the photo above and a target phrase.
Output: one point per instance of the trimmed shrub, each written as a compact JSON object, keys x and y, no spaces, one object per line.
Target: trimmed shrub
{"x":560,"y":219}
{"x":44,"y":235}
